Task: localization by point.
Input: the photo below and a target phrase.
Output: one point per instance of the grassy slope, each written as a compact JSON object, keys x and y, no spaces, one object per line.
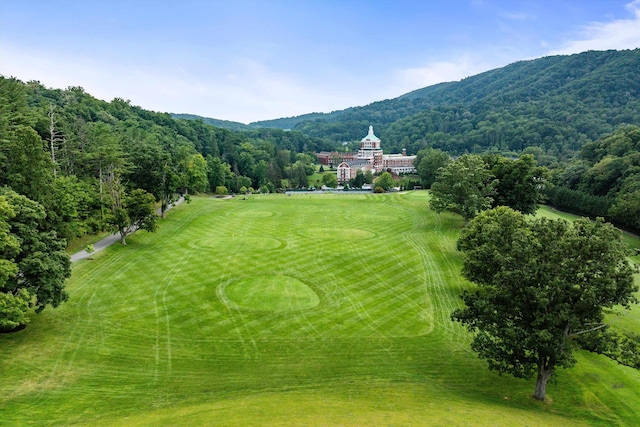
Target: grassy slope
{"x":163,"y":334}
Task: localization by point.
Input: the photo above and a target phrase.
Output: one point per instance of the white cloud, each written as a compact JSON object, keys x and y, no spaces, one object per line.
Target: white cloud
{"x":518,"y":16}
{"x":250,"y":91}
{"x":617,"y":34}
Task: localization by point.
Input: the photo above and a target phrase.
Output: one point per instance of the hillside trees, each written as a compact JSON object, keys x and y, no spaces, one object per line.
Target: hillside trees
{"x":218,"y":173}
{"x":471,"y":184}
{"x":519,"y":182}
{"x":465,"y":186}
{"x":191,"y":171}
{"x":427,"y":163}
{"x":554,"y":104}
{"x":298,"y":173}
{"x":13,"y":305}
{"x":605,"y":181}
{"x":105,"y":155}
{"x":24,"y":162}
{"x":28,"y":169}
{"x":542,"y":284}
{"x":152,"y":169}
{"x":33,"y":264}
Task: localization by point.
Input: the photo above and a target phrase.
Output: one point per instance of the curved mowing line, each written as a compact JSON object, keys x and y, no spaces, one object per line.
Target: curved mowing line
{"x":262,"y":292}
{"x":177,"y":268}
{"x":443,"y":301}
{"x":373,"y":290}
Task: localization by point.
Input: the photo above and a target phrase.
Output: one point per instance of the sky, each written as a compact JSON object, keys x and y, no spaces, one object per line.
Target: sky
{"x":251,"y":60}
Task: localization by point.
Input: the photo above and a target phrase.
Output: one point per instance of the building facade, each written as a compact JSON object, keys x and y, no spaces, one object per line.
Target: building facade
{"x":369,"y":157}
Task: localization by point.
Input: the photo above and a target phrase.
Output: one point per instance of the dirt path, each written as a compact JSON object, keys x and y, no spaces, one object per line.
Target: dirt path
{"x":111,"y":239}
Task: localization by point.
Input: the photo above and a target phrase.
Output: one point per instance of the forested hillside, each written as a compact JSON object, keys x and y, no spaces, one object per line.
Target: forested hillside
{"x":604,"y":180}
{"x":555,"y":104}
{"x":66,"y":144}
{"x":226,"y":124}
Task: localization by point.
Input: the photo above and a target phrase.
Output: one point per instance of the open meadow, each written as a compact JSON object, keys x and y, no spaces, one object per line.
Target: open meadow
{"x":302,"y":310}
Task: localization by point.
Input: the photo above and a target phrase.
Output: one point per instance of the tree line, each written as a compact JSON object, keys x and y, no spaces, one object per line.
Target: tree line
{"x":603,"y":180}
{"x":73,"y":165}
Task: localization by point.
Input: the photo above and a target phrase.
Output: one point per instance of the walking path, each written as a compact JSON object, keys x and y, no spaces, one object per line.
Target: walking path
{"x":111,"y":239}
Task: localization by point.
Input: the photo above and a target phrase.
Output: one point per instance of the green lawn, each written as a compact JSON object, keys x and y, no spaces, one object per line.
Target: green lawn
{"x":276,"y":310}
{"x":315,"y":180}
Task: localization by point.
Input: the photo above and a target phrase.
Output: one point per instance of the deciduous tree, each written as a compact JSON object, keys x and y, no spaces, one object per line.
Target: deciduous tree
{"x":330,"y":180}
{"x":541,"y":285}
{"x":386,"y":181}
{"x":428,"y":161}
{"x":519,"y":182}
{"x":465,"y":186}
{"x":33,"y":263}
{"x":129,"y":212}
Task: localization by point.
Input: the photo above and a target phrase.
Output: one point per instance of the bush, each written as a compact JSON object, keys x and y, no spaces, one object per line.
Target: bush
{"x":14,"y":309}
{"x":378,"y":190}
{"x":221,"y":189}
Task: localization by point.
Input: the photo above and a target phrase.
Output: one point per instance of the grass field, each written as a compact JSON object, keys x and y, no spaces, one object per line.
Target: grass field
{"x":303,"y":310}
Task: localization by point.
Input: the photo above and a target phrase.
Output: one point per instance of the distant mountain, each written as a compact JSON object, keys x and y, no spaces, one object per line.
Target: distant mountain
{"x":288,"y":122}
{"x":226,"y":124}
{"x":285,"y":123}
{"x":554,"y":104}
{"x":550,"y":105}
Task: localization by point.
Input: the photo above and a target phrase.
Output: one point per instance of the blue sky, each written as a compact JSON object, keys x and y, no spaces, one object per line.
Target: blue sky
{"x":256,"y":60}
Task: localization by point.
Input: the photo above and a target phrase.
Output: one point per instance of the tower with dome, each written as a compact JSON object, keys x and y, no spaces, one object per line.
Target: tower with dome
{"x":370,"y":157}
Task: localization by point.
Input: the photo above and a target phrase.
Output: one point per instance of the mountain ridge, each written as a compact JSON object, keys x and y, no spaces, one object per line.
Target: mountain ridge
{"x":434,"y":91}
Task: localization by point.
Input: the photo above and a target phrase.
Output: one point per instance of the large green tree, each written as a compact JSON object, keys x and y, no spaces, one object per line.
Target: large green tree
{"x":519,"y":182}
{"x":542,"y":284}
{"x":33,"y":263}
{"x":330,"y":180}
{"x":130,"y":211}
{"x":428,"y":162}
{"x":465,"y":186}
{"x":386,"y":181}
